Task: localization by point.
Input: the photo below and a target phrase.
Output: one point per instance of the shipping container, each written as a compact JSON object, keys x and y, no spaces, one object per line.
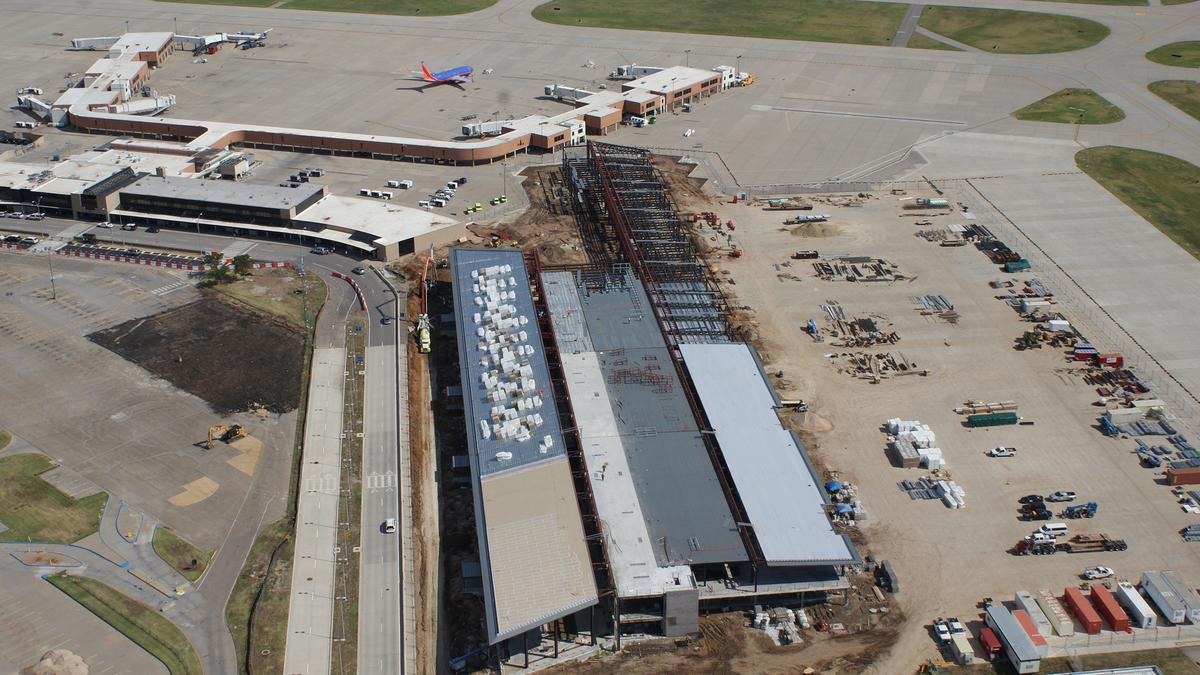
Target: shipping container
{"x":1055,"y":612}
{"x":1107,"y":605}
{"x":1016,"y":265}
{"x":1039,"y":642}
{"x":1110,"y":360}
{"x":1183,"y":476}
{"x":1164,"y":597}
{"x":1084,"y":613}
{"x":1140,"y":612}
{"x":1018,"y":646}
{"x":992,"y":419}
{"x":1026,"y":601}
{"x":990,"y":644}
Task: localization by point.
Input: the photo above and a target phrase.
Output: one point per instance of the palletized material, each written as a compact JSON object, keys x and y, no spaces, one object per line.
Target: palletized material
{"x":1055,"y":612}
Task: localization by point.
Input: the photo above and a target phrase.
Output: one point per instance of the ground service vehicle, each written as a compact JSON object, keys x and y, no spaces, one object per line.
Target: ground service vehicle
{"x":1081,"y":510}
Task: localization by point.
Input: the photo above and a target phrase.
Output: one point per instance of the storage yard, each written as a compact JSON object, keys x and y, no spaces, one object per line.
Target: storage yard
{"x":986,"y":385}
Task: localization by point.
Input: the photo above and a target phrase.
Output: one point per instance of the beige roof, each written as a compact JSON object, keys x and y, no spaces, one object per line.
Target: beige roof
{"x":540,"y":567}
{"x":385,"y":220}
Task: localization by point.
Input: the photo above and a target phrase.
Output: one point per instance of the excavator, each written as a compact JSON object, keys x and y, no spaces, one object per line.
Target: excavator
{"x":226,"y":432}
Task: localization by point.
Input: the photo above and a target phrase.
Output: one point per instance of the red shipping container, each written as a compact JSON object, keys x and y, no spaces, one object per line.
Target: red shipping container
{"x":1110,"y":360}
{"x":990,"y":643}
{"x":1026,"y":622}
{"x":1112,"y":612}
{"x":1184,"y":476}
{"x":1083,"y":610}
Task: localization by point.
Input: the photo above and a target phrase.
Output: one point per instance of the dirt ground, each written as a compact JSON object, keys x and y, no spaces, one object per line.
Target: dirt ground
{"x":425,"y":535}
{"x":228,"y":355}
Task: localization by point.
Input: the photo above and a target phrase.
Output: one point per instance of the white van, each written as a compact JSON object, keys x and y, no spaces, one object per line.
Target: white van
{"x":1053,"y":529}
{"x":385,"y":195}
{"x":393,"y":183}
{"x":424,"y":203}
{"x":438,"y":202}
{"x":452,"y":185}
{"x":365,"y":192}
{"x":376,"y":193}
{"x":404,"y":184}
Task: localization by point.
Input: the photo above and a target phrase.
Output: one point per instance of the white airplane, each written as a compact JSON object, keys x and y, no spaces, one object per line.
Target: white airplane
{"x":248,"y":36}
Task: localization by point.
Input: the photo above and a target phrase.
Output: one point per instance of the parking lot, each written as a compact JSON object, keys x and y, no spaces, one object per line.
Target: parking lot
{"x":939,"y":552}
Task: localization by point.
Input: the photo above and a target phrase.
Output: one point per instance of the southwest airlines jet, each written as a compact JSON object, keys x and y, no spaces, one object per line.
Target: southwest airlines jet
{"x":454,"y":76}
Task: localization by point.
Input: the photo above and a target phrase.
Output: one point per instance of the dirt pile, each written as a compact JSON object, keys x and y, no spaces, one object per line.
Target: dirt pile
{"x":221,"y":351}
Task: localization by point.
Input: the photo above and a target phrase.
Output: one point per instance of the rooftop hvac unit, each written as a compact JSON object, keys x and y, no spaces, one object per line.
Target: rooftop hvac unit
{"x":504,"y":455}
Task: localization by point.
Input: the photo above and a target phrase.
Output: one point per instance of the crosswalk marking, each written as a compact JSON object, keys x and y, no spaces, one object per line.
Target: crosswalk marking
{"x":380,"y":481}
{"x":170,"y":288}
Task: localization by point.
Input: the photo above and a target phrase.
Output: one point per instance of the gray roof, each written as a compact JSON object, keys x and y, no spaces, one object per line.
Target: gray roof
{"x":1013,"y":633}
{"x":778,"y":487}
{"x":478,"y":408}
{"x":685,"y":509}
{"x":224,"y":191}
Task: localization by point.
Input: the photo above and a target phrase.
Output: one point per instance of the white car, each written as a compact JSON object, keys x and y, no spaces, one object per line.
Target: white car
{"x":106,"y":225}
{"x":1099,"y":572}
{"x":389,"y":525}
{"x":942,"y":630}
{"x":1002,"y":452}
{"x":1061,"y":496}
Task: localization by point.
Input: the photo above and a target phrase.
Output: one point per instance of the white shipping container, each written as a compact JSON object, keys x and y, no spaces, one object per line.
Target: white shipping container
{"x":1055,"y":613}
{"x":1164,"y":597}
{"x":1027,"y":602}
{"x":1186,"y":595}
{"x":1139,"y":610}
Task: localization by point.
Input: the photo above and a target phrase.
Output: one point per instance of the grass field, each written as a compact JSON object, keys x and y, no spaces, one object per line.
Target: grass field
{"x":404,"y":7}
{"x":35,"y":510}
{"x":1182,"y":54}
{"x":868,"y":23}
{"x":179,"y":554}
{"x":918,"y":41}
{"x":1176,"y":2}
{"x":1012,"y":32}
{"x":271,"y":617}
{"x":5,"y":439}
{"x":277,"y":292}
{"x":1183,"y":94}
{"x":136,"y":621}
{"x":1071,"y":106}
{"x":1169,"y":661}
{"x":1164,"y":190}
{"x":1103,"y":2}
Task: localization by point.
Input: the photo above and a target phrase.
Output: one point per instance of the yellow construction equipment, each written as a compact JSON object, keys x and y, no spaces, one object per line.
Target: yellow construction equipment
{"x":226,"y":432}
{"x":747,"y":81}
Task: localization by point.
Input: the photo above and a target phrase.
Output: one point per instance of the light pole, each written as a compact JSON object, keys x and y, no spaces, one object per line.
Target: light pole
{"x":737,"y":70}
{"x":198,"y":217}
{"x":50,"y":262}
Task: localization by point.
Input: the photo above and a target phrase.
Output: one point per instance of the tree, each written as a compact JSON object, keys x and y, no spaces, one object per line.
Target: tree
{"x":241,"y":265}
{"x":216,"y":271}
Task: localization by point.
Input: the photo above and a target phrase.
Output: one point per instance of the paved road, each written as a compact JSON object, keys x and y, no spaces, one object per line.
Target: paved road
{"x":907,"y":25}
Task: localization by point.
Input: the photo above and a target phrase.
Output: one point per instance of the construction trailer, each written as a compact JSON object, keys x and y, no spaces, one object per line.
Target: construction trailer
{"x":1140,"y":612}
{"x":1018,"y":646}
{"x":1163,"y":595}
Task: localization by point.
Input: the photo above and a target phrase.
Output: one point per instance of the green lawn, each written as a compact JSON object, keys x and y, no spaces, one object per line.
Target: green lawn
{"x":35,"y":510}
{"x":848,"y":21}
{"x":136,"y":621}
{"x":918,"y":41}
{"x":1176,"y":2}
{"x":405,"y":7}
{"x":1103,"y":2}
{"x":1164,"y":190}
{"x":1183,"y":94}
{"x":271,"y":616}
{"x":278,"y":292}
{"x":180,"y":554}
{"x":1071,"y":106}
{"x":1012,"y":32}
{"x":1182,"y":54}
{"x":5,"y":439}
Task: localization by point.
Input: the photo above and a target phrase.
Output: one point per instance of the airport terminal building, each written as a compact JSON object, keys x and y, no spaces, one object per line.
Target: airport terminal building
{"x":624,"y":386}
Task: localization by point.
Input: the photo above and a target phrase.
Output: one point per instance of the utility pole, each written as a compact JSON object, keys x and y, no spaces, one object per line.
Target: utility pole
{"x":687,"y":57}
{"x":50,"y":262}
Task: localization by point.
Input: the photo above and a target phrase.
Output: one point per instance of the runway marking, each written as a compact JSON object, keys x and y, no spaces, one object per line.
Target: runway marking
{"x":170,"y":288}
{"x":879,"y":117}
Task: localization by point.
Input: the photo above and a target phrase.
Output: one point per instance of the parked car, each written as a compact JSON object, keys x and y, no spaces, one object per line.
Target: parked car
{"x":152,"y":229}
{"x":106,"y":225}
{"x":1061,"y":496}
{"x":1002,"y":452}
{"x":129,"y":226}
{"x":321,"y":250}
{"x":1037,"y":514}
{"x":942,"y":630}
{"x":1031,"y":499}
{"x":29,"y":241}
{"x":1098,"y":572}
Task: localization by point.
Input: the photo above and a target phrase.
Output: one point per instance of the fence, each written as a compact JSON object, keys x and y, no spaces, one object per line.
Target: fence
{"x":1108,"y":640}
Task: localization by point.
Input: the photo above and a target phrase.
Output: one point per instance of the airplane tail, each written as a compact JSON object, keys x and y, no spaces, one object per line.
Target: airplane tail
{"x":428,"y":75}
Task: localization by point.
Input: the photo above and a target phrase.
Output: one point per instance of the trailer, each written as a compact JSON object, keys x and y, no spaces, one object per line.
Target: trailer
{"x":1163,"y":595}
{"x":964,"y":655}
{"x":1092,"y":543}
{"x":1107,"y":605}
{"x":813,"y":218}
{"x":990,"y":643}
{"x":1186,"y":595}
{"x":1083,"y":610}
{"x":1140,"y":613}
{"x":1055,"y":612}
{"x":1018,"y":646}
{"x":1039,"y":642}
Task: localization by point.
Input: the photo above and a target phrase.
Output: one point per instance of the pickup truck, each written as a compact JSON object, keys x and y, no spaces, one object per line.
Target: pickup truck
{"x":1002,"y":452}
